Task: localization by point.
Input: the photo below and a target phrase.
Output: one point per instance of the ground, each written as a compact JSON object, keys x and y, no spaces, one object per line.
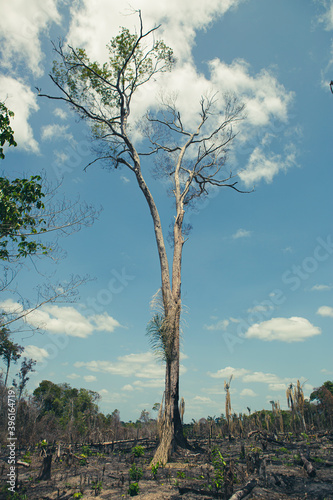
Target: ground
{"x":193,"y":474}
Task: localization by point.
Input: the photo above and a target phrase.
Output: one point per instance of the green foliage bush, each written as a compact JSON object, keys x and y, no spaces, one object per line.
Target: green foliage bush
{"x":133,"y":489}
{"x":135,"y":473}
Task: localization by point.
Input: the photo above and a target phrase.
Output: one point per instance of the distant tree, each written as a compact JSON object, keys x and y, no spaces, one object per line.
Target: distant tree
{"x":323,"y":397}
{"x":6,"y":131}
{"x":9,"y":351}
{"x":191,"y":159}
{"x":27,"y":367}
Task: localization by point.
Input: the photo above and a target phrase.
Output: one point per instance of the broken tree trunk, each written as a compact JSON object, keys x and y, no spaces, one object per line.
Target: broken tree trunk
{"x":311,"y":471}
{"x":46,"y":468}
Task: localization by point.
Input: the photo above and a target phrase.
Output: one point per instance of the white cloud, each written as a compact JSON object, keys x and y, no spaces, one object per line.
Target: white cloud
{"x":241,"y":233}
{"x":179,"y":21}
{"x":288,"y":330}
{"x":228,"y":371}
{"x":90,"y":378}
{"x":248,"y":392}
{"x":279,"y":386}
{"x":325,"y":311}
{"x":202,"y":399}
{"x":54,"y":131}
{"x":321,"y":288}
{"x":327,"y":17}
{"x":22,"y":23}
{"x":36,"y":353}
{"x":329,"y":372}
{"x":73,"y":376}
{"x":265,"y":98}
{"x":104,"y":322}
{"x":125,"y":179}
{"x":268,"y":378}
{"x":263,"y":167}
{"x":262,"y":94}
{"x":60,"y":113}
{"x":153,"y":383}
{"x":11,"y":307}
{"x":65,"y":320}
{"x":20,"y":99}
{"x":143,"y":365}
{"x":128,"y":387}
{"x":219,"y":325}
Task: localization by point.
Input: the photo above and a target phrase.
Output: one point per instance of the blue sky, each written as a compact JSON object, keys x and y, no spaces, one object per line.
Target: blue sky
{"x":257,"y":269}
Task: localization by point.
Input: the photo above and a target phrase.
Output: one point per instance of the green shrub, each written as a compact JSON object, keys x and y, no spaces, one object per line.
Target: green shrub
{"x":133,"y":489}
{"x":138,"y":451}
{"x":135,"y":473}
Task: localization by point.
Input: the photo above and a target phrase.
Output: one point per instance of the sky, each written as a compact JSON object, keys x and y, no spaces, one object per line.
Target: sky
{"x":257,"y":268}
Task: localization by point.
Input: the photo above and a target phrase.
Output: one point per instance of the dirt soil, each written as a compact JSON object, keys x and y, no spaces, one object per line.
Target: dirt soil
{"x":277,"y":469}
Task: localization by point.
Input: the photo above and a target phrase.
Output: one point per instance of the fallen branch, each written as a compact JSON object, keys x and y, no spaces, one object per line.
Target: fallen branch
{"x":24,"y":464}
{"x":244,"y":491}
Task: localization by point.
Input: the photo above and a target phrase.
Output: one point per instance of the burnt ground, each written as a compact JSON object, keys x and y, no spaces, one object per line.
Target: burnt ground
{"x":277,"y":469}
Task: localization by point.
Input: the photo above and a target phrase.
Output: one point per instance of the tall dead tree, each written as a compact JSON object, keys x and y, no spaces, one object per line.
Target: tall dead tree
{"x":191,"y":156}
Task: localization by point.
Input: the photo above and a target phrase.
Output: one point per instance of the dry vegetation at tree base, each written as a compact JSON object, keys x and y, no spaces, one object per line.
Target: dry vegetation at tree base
{"x":200,"y":473}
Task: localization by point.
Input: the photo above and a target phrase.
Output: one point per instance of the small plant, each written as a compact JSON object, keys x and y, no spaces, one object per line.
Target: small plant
{"x":138,"y":451}
{"x":83,"y":459}
{"x":154,"y":469}
{"x":135,"y":473}
{"x":27,"y":457}
{"x":219,"y":466}
{"x":86,"y":450}
{"x":181,"y":474}
{"x":78,"y":495}
{"x":97,"y":486}
{"x":133,"y":489}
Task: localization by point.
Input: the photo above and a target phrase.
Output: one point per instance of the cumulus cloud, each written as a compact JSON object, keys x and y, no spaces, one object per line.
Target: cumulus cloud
{"x":23,"y":23}
{"x":54,"y":131}
{"x":20,"y":99}
{"x":241,"y":233}
{"x":325,"y":311}
{"x":269,"y":378}
{"x":73,"y":376}
{"x":11,"y":307}
{"x":228,"y":371}
{"x":279,"y":386}
{"x":128,"y":387}
{"x":63,"y":320}
{"x":265,"y":98}
{"x":265,"y":167}
{"x":179,"y":20}
{"x":60,"y":113}
{"x":274,"y":382}
{"x":202,"y":399}
{"x":35,"y":353}
{"x":288,"y":330}
{"x":90,"y":378}
{"x":143,"y":365}
{"x":248,"y":392}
